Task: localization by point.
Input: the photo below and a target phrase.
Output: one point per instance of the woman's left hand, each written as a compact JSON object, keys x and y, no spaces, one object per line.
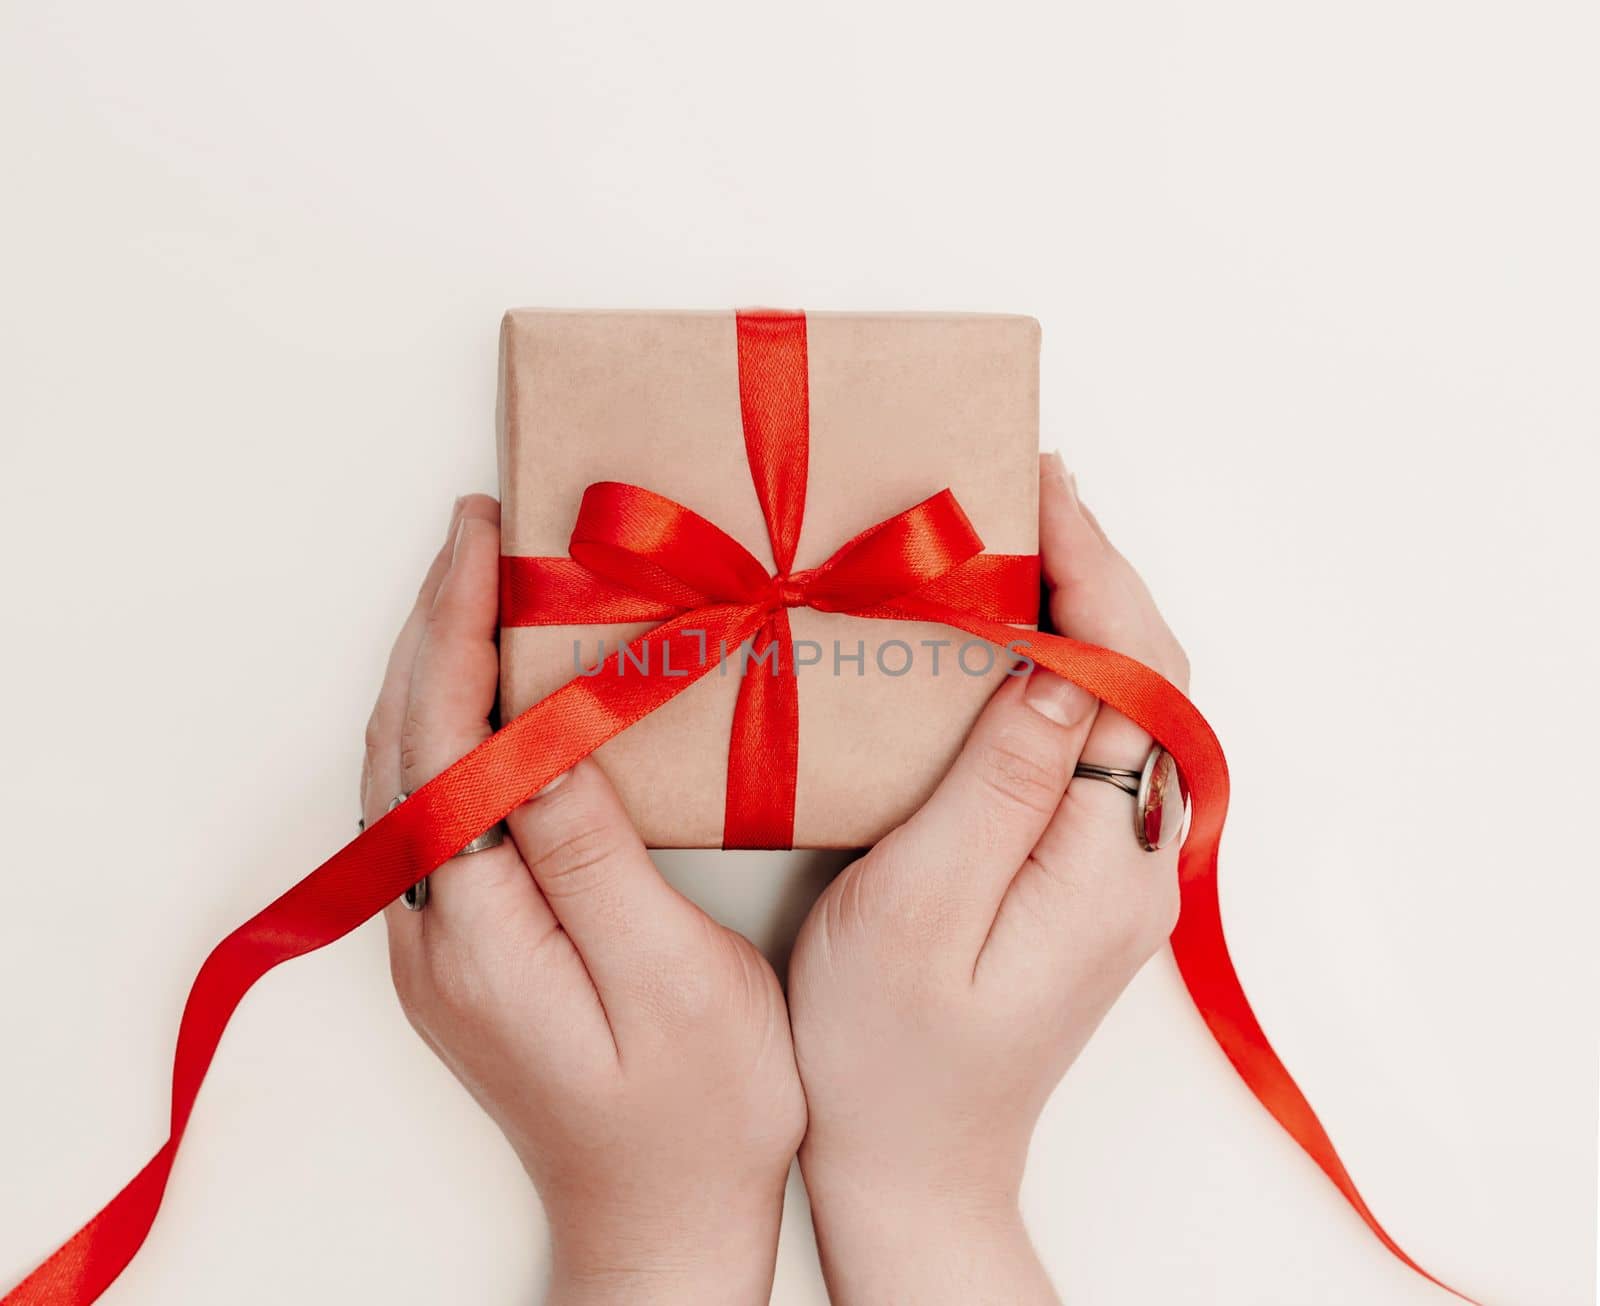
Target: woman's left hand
{"x":945,"y":981}
{"x":635,"y":1053}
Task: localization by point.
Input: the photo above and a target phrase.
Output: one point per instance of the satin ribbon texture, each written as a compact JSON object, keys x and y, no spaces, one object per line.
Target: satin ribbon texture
{"x":636,"y":556}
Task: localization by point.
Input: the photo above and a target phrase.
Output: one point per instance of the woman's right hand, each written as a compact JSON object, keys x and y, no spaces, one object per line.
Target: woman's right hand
{"x":943,"y":983}
{"x":635,"y":1053}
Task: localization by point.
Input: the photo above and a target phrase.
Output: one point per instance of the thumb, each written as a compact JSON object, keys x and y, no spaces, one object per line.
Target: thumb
{"x":628,"y":924}
{"x":964,"y":846}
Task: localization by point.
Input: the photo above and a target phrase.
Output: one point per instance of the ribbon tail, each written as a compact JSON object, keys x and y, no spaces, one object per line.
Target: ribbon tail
{"x":356,"y":883}
{"x":764,"y":744}
{"x":1201,"y":950}
{"x":1146,"y":697}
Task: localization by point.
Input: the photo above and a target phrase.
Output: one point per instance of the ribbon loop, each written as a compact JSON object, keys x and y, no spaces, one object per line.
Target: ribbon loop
{"x":658,"y":548}
{"x":895,"y":558}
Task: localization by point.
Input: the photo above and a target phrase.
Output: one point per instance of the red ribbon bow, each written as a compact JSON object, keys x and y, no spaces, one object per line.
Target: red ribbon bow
{"x":638,"y":556}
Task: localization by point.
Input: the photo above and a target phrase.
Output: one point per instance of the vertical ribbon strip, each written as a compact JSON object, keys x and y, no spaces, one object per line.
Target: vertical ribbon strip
{"x":764,"y":743}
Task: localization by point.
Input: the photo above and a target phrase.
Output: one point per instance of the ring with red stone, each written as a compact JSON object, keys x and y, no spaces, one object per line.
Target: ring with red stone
{"x":1160,"y":797}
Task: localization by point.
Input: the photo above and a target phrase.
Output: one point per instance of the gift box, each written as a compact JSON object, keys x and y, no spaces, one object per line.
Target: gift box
{"x":883,"y":411}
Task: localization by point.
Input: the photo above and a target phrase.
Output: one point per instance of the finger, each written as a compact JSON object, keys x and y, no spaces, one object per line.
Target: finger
{"x":1089,"y":895}
{"x":634,"y":932}
{"x":1087,"y":909}
{"x":380,"y":762}
{"x":1096,"y":596}
{"x":452,"y":691}
{"x":380,"y":767}
{"x":958,"y":853}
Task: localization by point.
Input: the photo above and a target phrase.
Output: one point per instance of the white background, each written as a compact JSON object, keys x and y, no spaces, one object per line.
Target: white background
{"x":1318,"y":287}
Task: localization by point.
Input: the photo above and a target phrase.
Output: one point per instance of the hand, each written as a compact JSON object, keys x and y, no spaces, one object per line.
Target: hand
{"x":944,"y":983}
{"x":635,"y":1053}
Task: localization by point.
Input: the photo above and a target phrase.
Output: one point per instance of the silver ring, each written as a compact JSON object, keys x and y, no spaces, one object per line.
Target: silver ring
{"x":1157,"y":819}
{"x":493,"y":837}
{"x":416,"y":897}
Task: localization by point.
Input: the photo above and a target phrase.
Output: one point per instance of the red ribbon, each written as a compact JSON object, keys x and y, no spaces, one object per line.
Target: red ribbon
{"x":638,"y":556}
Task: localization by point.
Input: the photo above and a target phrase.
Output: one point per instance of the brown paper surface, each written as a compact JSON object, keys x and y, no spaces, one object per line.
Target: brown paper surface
{"x":902,"y":405}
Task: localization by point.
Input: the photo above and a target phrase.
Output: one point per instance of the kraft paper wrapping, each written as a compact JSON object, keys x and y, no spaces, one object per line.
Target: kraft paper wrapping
{"x":902,"y":405}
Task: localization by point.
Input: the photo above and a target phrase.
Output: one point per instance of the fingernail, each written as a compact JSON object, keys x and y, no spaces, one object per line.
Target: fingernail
{"x":461,"y":534}
{"x":1056,"y":698}
{"x":1053,"y":467}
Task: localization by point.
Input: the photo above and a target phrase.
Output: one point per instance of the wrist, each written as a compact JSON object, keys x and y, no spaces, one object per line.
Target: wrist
{"x":608,"y":1254}
{"x":883,"y":1241}
{"x":663,"y":1281}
